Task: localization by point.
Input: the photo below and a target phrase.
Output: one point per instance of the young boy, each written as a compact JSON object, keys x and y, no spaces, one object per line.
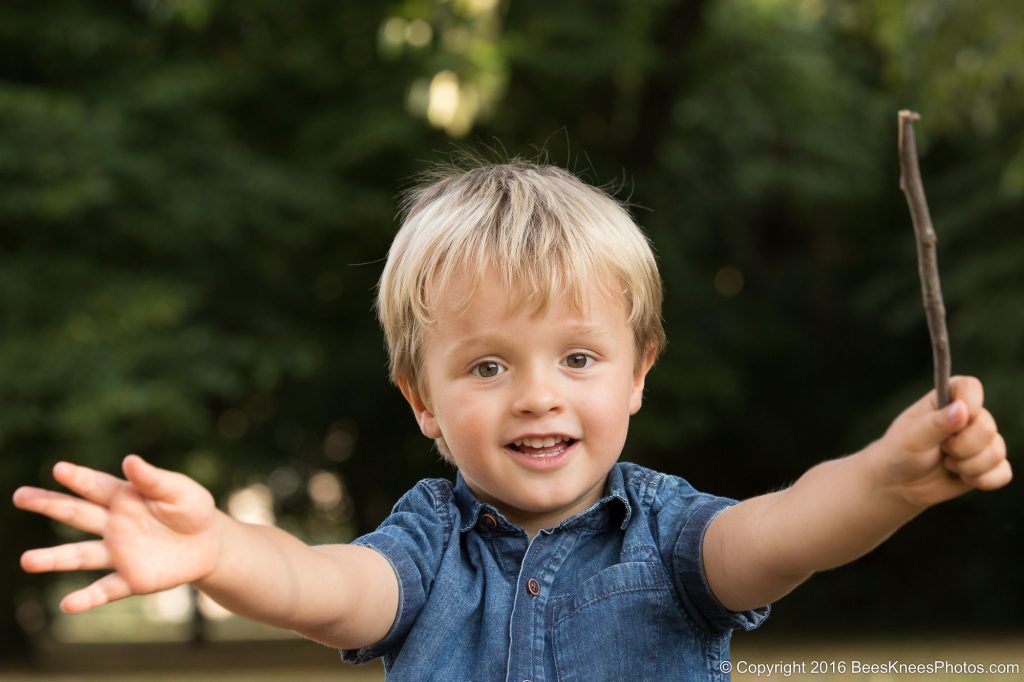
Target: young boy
{"x":522,"y":314}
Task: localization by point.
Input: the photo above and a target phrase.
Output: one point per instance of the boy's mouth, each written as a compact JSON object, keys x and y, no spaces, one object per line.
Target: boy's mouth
{"x":543,"y":447}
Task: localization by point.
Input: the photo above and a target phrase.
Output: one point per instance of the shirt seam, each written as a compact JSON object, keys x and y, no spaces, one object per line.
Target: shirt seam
{"x":442,"y":508}
{"x":604,"y":595}
{"x":670,"y":567}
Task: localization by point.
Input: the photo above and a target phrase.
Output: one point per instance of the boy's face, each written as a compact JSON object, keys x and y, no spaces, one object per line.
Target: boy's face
{"x":495,"y":377}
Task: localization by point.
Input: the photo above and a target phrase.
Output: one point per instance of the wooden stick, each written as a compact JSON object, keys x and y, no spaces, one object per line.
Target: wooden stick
{"x":927,"y":260}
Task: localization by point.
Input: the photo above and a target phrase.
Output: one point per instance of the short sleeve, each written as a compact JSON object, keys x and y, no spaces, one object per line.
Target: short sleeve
{"x":683,"y":517}
{"x":412,"y":538}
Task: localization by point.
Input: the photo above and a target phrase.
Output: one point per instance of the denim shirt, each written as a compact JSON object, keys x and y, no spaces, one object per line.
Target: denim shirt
{"x":614,"y":592}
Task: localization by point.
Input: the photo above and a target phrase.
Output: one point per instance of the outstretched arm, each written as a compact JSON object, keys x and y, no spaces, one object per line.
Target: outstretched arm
{"x":760,"y":549}
{"x":159,"y":529}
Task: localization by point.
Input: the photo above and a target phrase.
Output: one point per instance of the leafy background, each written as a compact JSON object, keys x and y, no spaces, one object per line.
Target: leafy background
{"x":196,"y":197}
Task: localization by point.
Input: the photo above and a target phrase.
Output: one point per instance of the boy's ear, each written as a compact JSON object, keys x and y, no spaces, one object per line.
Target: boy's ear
{"x":424,"y":416}
{"x":636,"y":395}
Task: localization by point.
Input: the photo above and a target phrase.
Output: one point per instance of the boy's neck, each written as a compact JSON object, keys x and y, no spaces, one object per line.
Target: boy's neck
{"x":534,"y":522}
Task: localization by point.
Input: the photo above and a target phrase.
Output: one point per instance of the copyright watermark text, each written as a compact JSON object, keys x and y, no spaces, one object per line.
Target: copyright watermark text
{"x":856,"y":667}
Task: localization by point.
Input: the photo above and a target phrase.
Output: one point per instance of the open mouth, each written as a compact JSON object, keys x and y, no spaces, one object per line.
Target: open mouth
{"x":542,"y":447}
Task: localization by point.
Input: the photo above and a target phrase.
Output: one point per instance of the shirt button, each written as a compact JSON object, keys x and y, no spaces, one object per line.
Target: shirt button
{"x":533,"y":587}
{"x":489,"y":520}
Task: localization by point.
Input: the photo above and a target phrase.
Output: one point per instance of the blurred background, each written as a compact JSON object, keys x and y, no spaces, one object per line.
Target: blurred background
{"x":196,"y":197}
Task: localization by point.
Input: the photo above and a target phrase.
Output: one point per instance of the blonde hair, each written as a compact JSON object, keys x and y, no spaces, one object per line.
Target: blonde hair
{"x":539,"y":228}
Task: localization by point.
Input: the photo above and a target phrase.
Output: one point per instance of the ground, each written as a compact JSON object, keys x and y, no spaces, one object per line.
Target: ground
{"x":281,"y":660}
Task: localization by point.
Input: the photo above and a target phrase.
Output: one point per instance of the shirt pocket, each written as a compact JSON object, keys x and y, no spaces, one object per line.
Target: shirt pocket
{"x":623,"y":623}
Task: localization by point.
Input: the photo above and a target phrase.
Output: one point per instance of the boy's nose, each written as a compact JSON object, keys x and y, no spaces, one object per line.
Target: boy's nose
{"x":538,"y":394}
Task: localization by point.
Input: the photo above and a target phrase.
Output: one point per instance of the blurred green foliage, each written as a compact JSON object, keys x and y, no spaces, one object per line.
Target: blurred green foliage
{"x":196,"y":197}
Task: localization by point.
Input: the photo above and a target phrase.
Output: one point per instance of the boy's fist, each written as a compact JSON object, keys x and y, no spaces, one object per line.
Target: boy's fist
{"x":158,"y":529}
{"x":929,"y":455}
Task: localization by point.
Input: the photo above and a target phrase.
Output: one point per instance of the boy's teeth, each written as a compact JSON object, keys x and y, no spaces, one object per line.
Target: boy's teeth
{"x":540,"y":442}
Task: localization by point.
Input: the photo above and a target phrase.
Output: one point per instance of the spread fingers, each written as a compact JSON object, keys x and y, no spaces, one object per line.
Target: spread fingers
{"x":79,"y":513}
{"x":93,"y":485}
{"x":107,"y":589}
{"x":76,"y":556}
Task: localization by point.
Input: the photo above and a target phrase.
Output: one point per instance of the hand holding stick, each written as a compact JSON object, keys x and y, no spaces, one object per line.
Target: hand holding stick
{"x":927,"y":260}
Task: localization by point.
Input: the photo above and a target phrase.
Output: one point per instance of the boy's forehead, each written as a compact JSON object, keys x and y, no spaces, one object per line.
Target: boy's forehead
{"x":464,"y":314}
{"x":466,"y":299}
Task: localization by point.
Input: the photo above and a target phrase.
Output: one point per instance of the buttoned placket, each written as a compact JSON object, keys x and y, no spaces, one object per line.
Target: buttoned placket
{"x":542,"y":559}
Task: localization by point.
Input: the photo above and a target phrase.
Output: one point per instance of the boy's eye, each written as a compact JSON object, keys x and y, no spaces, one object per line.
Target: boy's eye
{"x":578,"y":360}
{"x":487,"y":369}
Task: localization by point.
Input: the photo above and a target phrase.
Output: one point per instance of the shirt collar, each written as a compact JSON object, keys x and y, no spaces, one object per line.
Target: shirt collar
{"x":595,"y":517}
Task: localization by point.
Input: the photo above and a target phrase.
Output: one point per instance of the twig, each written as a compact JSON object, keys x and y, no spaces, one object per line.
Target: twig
{"x":927,"y":260}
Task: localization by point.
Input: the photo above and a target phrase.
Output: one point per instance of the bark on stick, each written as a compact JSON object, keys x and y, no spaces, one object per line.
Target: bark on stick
{"x":927,"y":259}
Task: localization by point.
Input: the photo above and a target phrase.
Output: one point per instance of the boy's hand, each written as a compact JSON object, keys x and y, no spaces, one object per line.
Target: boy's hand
{"x":158,"y":529}
{"x":929,"y":456}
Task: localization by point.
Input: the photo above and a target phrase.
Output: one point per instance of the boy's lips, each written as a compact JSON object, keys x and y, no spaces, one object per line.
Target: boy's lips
{"x":544,"y":458}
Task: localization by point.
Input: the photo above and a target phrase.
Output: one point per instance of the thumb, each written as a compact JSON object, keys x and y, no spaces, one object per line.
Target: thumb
{"x":930,"y":429}
{"x":177,"y":501}
{"x":154,"y":483}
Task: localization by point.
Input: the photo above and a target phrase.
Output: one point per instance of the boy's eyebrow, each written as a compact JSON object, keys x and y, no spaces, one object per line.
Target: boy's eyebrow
{"x":468,"y":342}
